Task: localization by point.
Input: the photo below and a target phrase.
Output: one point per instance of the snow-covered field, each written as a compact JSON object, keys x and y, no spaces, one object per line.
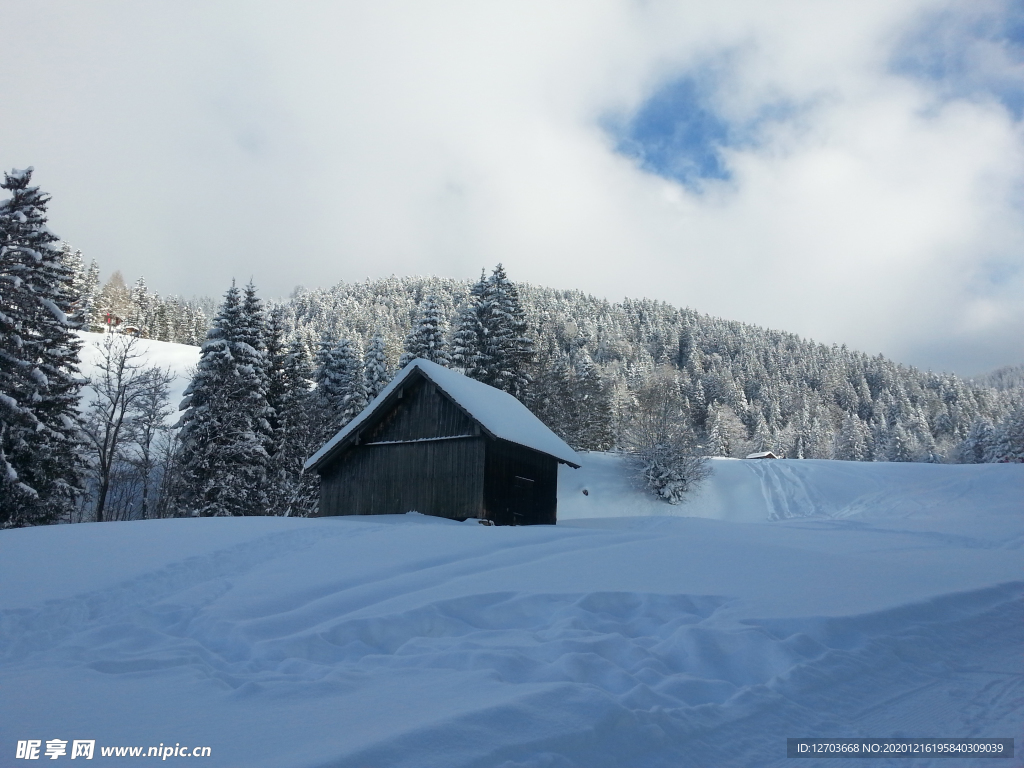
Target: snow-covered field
{"x":878,"y":600}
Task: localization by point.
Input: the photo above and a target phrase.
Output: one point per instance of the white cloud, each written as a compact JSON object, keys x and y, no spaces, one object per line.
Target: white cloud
{"x":317,"y":142}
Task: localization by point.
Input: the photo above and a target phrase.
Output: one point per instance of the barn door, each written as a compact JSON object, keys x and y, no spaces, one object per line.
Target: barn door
{"x":522,"y":500}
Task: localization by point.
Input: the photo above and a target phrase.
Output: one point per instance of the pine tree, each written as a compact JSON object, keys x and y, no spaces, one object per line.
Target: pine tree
{"x":276,"y":361}
{"x":40,"y":444}
{"x":850,"y":442}
{"x":376,"y":367}
{"x":978,"y":446}
{"x":91,"y":291}
{"x":761,"y":440}
{"x":427,"y":338}
{"x":685,"y":346}
{"x":552,"y":398}
{"x":295,"y":493}
{"x":341,"y":391}
{"x":505,"y":350}
{"x":252,"y":359}
{"x":330,"y":382}
{"x":140,"y":303}
{"x":192,"y":323}
{"x":593,"y":403}
{"x":1008,"y":438}
{"x":468,"y":338}
{"x":898,"y":445}
{"x":83,"y":285}
{"x":718,"y":439}
{"x":225,"y":429}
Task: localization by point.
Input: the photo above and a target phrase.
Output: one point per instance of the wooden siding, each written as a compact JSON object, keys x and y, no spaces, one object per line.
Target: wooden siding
{"x":423,"y":412}
{"x":520,"y":486}
{"x":435,"y":477}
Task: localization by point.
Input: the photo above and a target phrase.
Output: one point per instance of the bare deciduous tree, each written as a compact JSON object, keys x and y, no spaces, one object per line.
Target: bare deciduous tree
{"x":127,"y":409}
{"x":152,"y":410}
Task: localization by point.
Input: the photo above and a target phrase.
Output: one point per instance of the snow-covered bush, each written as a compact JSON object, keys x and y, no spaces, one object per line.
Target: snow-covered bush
{"x":657,"y":434}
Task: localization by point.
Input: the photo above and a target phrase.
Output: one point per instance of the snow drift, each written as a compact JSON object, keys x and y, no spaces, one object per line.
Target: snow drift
{"x":809,"y":599}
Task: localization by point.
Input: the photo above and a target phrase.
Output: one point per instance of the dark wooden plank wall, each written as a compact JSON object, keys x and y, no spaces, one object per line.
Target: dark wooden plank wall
{"x":423,"y":412}
{"x":437,"y":477}
{"x":504,"y":497}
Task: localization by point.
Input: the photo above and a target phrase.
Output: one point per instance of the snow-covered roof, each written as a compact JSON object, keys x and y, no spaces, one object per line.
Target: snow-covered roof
{"x":498,"y":412}
{"x":762,"y":455}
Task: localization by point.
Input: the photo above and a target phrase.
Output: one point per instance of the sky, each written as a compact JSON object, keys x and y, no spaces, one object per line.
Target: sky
{"x":852,"y":172}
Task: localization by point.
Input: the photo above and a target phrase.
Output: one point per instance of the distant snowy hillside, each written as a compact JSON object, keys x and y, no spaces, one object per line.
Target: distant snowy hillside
{"x":605,"y":641}
{"x":180,"y":359}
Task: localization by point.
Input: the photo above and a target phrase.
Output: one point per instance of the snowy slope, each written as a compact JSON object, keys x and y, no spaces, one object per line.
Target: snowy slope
{"x":604,"y":641}
{"x":181,"y":359}
{"x":759,"y":491}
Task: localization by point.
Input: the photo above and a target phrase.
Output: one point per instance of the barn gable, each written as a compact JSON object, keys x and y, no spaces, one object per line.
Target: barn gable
{"x":418,"y":415}
{"x":497,"y":413}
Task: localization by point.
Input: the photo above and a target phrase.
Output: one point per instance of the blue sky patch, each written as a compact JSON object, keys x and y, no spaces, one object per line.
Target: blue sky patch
{"x":676,"y":134}
{"x":976,"y":50}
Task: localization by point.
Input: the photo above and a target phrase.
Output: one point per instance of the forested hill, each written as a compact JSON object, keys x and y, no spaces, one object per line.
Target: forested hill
{"x":740,"y":387}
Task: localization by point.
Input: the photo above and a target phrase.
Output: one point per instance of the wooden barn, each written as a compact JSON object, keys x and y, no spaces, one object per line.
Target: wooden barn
{"x":439,"y":443}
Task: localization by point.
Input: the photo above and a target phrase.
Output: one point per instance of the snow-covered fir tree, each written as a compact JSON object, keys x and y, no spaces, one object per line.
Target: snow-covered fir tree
{"x":1008,"y":437}
{"x":140,"y":308}
{"x":467,"y":339}
{"x":40,"y":428}
{"x":573,"y":400}
{"x":977,"y":447}
{"x":553,"y":397}
{"x":851,"y":442}
{"x":298,"y":436}
{"x":225,"y":428}
{"x":276,"y":355}
{"x":376,"y":367}
{"x":428,"y":337}
{"x":596,"y":430}
{"x":505,"y":350}
{"x":84,"y":284}
{"x":340,"y":384}
{"x":718,"y":439}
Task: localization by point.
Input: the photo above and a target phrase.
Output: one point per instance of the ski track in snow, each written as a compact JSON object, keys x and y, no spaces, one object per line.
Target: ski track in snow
{"x":411,"y":641}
